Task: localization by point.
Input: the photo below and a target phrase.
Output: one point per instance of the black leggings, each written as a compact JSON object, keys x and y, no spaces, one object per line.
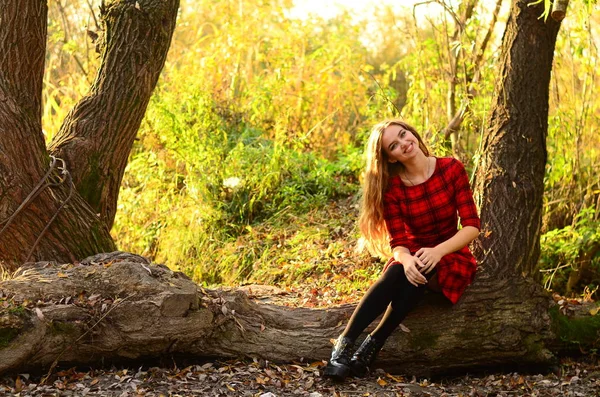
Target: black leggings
{"x":392,"y":290}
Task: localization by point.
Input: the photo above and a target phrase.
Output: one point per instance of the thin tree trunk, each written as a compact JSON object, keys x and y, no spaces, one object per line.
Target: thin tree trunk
{"x":97,"y":135}
{"x":455,"y":116}
{"x":454,"y":57}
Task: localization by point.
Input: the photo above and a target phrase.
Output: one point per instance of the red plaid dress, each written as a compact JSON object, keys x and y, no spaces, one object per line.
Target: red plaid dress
{"x":427,"y":214}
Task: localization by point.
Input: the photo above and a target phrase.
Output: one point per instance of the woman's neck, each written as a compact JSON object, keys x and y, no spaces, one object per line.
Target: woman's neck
{"x":417,"y":167}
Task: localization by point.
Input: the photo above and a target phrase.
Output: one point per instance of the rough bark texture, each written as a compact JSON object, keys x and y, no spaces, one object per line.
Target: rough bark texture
{"x":510,"y":177}
{"x":97,"y":135}
{"x":95,"y":139}
{"x":118,"y":306}
{"x":76,"y":232}
{"x":21,"y":139}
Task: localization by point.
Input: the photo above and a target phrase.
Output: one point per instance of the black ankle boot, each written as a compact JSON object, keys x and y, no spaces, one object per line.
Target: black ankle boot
{"x":338,"y":367}
{"x":365,"y":355}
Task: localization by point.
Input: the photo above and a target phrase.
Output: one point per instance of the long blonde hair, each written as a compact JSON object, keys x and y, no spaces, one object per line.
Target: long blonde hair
{"x":375,"y":236}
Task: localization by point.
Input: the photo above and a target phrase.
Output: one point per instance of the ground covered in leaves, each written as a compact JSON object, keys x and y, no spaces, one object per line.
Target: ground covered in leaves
{"x":578,"y":378}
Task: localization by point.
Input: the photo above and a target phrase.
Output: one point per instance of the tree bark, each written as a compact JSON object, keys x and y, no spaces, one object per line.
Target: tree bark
{"x":97,"y":135}
{"x":76,"y":231}
{"x":57,"y":223}
{"x":114,"y":307}
{"x":21,"y":91}
{"x":510,"y":176}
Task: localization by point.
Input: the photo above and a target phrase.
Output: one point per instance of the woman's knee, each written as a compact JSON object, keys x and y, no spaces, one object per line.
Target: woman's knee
{"x":391,"y":280}
{"x":394,"y":273}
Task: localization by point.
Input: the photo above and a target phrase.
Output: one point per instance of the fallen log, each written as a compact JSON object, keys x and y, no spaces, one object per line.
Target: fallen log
{"x":118,"y":306}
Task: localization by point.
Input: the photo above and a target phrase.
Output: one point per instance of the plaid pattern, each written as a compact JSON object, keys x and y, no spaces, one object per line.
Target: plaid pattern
{"x":427,"y":214}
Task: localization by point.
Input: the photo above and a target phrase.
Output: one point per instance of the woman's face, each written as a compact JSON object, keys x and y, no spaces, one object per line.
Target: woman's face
{"x":399,"y":144}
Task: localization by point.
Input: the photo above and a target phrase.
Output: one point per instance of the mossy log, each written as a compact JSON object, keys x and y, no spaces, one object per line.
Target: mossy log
{"x":118,"y":306}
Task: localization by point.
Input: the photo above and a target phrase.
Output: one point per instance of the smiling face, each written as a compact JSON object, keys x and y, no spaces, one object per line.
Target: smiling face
{"x":399,"y":144}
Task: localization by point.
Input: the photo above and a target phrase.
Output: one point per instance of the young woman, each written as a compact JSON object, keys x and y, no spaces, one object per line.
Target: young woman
{"x":411,"y":204}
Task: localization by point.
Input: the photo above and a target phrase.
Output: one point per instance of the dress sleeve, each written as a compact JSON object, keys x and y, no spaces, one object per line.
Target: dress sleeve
{"x":464,"y":198}
{"x":393,"y":220}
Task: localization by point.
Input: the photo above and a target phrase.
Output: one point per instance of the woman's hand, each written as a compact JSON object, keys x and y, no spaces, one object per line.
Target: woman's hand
{"x":413,"y":274}
{"x":429,"y":257}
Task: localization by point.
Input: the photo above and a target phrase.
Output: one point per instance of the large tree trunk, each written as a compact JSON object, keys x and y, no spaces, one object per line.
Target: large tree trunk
{"x":116,"y":307}
{"x":43,"y":217}
{"x":510,"y":177}
{"x":76,"y":231}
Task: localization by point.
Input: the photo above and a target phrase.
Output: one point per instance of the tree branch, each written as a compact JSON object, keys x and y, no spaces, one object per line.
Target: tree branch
{"x":458,"y":118}
{"x":97,"y":135}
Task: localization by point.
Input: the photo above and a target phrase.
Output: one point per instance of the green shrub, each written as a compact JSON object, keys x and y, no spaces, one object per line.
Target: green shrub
{"x":564,"y":250}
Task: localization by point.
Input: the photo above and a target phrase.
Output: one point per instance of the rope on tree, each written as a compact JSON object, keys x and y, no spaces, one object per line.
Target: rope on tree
{"x":48,"y":180}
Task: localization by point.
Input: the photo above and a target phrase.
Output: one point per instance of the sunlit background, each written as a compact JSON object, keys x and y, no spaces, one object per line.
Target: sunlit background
{"x":247,"y":165}
{"x":329,"y":9}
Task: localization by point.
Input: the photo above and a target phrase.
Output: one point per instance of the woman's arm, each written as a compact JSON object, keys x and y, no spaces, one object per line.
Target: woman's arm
{"x":461,"y":239}
{"x":467,"y":211}
{"x":394,"y":223}
{"x":430,"y":257}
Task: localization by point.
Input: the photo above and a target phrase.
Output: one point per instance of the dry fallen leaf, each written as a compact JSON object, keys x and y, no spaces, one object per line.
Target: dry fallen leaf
{"x":18,"y":385}
{"x":394,"y":378}
{"x":94,"y":297}
{"x":404,"y":328}
{"x":39,"y":313}
{"x":261,"y":381}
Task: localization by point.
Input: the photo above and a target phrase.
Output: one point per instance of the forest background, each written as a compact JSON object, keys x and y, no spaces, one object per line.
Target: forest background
{"x":247,"y":166}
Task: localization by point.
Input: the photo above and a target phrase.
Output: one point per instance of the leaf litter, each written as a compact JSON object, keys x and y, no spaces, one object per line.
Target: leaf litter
{"x":259,"y":378}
